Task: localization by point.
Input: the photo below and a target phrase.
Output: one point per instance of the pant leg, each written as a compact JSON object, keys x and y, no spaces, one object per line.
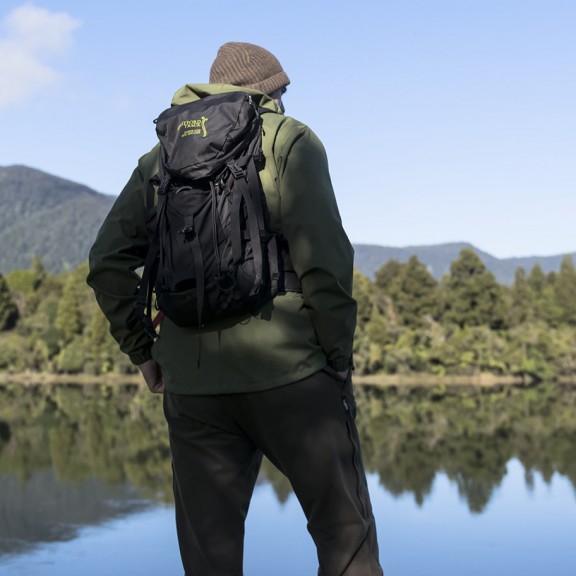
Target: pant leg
{"x":307,"y":430}
{"x":215,"y":469}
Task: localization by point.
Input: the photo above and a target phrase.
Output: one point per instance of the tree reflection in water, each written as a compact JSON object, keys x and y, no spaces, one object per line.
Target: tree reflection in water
{"x":469,"y":434}
{"x":117,"y":435}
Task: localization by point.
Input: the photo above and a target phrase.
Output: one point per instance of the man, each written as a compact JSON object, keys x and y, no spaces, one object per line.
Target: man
{"x":279,"y":384}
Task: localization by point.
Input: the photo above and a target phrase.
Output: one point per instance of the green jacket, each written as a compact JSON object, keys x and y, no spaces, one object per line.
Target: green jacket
{"x":301,"y":332}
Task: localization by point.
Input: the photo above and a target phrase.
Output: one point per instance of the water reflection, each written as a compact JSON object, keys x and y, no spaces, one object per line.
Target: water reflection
{"x":410,"y":435}
{"x":78,"y":455}
{"x":45,"y":509}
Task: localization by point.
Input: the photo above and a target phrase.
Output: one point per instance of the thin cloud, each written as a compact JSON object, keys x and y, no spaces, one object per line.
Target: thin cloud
{"x":30,"y":37}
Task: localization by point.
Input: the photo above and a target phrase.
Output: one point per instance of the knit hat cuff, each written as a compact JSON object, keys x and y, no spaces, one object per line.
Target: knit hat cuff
{"x":270,"y":85}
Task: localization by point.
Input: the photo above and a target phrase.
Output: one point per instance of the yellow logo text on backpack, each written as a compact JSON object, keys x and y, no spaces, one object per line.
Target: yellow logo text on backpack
{"x":193,"y":127}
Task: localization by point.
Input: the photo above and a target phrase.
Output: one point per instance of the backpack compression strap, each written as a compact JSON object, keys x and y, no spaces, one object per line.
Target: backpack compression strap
{"x":247,"y":189}
{"x":143,"y":307}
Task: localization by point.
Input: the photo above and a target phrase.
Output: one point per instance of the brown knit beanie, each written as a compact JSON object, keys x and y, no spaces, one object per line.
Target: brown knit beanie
{"x":248,"y":65}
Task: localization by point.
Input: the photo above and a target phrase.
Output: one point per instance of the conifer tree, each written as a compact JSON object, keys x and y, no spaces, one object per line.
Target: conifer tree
{"x":537,"y":279}
{"x":68,"y":316}
{"x":28,"y":281}
{"x":388,"y":273}
{"x":38,"y":272}
{"x":470,"y":294}
{"x":522,"y":299}
{"x":8,"y":309}
{"x":413,"y":293}
{"x":565,"y":290}
{"x":544,"y":290}
{"x":101,"y":347}
{"x":361,"y":293}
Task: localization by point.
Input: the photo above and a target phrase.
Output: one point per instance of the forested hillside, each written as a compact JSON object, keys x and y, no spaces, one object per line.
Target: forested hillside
{"x":408,"y":322}
{"x":56,"y":220}
{"x":46,"y":217}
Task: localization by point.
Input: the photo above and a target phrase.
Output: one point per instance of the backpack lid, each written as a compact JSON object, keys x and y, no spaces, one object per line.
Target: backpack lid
{"x":197,"y":139}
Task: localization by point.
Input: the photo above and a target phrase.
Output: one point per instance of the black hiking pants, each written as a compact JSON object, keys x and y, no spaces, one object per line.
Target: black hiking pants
{"x":307,"y":430}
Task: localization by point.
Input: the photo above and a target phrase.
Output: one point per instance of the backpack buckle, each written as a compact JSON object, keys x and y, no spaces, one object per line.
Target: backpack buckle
{"x":235,"y":170}
{"x":187,"y":232}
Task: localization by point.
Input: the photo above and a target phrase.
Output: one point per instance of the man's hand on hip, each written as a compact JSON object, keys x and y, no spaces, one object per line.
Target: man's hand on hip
{"x":153,"y":376}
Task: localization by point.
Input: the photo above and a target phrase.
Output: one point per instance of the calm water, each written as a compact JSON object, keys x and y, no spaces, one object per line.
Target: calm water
{"x":463,"y":482}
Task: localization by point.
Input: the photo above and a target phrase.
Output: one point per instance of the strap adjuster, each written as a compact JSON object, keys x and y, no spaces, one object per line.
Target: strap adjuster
{"x":235,"y":170}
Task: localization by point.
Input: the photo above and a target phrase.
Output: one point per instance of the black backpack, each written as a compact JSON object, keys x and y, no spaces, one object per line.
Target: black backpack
{"x":212,"y":254}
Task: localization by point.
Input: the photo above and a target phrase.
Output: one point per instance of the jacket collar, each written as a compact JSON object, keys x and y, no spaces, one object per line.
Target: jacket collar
{"x":192,"y":92}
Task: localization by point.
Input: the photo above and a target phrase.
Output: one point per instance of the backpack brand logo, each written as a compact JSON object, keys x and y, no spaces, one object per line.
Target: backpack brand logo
{"x":193,"y":127}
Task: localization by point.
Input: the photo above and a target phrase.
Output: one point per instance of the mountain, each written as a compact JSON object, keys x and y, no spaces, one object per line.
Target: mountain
{"x":56,"y":219}
{"x":368,"y":258}
{"x":46,"y":216}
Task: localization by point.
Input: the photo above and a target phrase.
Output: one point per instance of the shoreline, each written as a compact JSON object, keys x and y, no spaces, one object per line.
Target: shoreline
{"x":483,"y":380}
{"x":30,"y":378}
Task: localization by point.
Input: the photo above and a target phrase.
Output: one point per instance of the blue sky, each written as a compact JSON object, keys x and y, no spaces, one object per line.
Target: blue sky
{"x":444,"y":120}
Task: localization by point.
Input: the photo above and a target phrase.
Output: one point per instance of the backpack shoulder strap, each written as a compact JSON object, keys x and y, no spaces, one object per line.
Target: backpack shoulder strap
{"x":279,"y":133}
{"x":271,"y":123}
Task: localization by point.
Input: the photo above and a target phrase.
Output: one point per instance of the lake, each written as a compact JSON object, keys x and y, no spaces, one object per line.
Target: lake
{"x":464,"y":481}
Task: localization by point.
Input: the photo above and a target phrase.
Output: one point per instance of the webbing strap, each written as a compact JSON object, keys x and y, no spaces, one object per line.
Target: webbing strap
{"x":214,"y":210}
{"x":273,"y":261}
{"x":253,"y":198}
{"x":291,"y":282}
{"x":150,"y":193}
{"x":199,"y":269}
{"x":254,"y":231}
{"x":144,"y":297}
{"x":255,"y":192}
{"x":235,"y":231}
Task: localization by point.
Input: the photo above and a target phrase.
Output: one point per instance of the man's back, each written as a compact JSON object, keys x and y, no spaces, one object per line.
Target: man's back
{"x":281,"y":344}
{"x":278,"y":383}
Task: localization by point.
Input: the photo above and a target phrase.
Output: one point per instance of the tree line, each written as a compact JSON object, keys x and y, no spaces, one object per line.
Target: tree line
{"x":51,"y":323}
{"x":467,"y":323}
{"x":408,"y":322}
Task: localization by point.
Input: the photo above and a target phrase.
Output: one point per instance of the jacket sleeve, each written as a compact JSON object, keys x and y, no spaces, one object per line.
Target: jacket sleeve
{"x":118,"y":251}
{"x":321,"y":253}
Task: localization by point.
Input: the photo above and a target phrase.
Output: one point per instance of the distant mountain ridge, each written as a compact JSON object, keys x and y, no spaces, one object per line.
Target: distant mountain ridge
{"x":47,"y":216}
{"x":437,"y":258}
{"x":57,"y":220}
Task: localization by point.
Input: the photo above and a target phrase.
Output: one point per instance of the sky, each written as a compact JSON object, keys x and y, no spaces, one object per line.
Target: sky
{"x":443,"y":120}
